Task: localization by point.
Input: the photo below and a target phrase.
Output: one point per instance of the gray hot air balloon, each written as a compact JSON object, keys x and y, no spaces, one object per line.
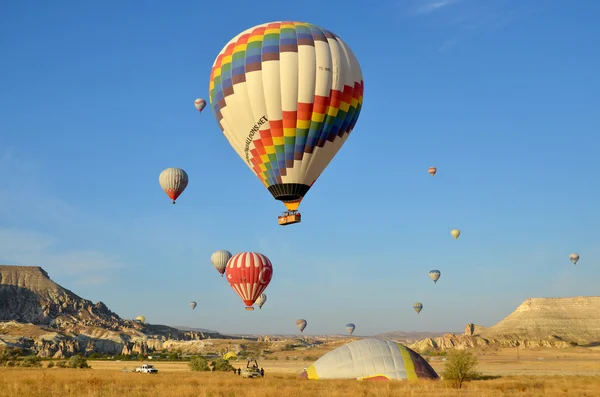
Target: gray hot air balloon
{"x":193,"y":305}
{"x":173,"y":181}
{"x":219,"y":260}
{"x":574,"y":257}
{"x":435,"y":275}
{"x":418,"y":307}
{"x":261,"y":300}
{"x":301,"y":324}
{"x":350,"y":328}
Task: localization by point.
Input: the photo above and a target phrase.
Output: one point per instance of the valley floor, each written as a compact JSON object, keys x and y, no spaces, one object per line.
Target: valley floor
{"x":565,"y":372}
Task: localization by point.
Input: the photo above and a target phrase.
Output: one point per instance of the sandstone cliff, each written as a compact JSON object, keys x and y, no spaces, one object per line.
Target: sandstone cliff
{"x":40,"y":315}
{"x":537,"y":322}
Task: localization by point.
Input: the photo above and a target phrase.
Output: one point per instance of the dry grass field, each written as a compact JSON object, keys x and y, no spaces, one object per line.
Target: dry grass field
{"x":565,"y":372}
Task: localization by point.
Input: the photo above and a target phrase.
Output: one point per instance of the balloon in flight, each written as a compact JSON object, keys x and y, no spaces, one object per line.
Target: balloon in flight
{"x":200,"y":104}
{"x":286,"y":95}
{"x":432,"y":171}
{"x":350,"y":328}
{"x":301,"y":324}
{"x":193,"y":305}
{"x":435,"y":275}
{"x":261,"y":300}
{"x":418,"y":307}
{"x":249,"y":274}
{"x":219,"y":260}
{"x":141,"y":319}
{"x":455,"y":233}
{"x":173,"y":181}
{"x":574,"y":257}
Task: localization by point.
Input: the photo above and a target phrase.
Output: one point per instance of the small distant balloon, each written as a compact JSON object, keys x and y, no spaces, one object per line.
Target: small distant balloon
{"x":173,"y":181}
{"x":261,"y":300}
{"x":200,"y":104}
{"x":301,"y":324}
{"x":432,"y":171}
{"x":193,"y":305}
{"x":455,"y":233}
{"x":418,"y":307}
{"x":350,"y":328}
{"x":435,"y":275}
{"x":574,"y":257}
{"x":141,"y":319}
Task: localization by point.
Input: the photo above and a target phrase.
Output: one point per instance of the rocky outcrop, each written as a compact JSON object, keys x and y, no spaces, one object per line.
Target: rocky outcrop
{"x":40,"y":315}
{"x":461,"y":342}
{"x":537,"y":322}
{"x":473,"y":329}
{"x":573,"y":319}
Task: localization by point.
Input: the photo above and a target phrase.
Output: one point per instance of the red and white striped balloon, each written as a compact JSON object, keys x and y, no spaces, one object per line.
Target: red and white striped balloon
{"x":249,"y":274}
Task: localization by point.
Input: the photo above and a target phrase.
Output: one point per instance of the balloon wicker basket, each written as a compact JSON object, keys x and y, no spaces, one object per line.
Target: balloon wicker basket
{"x":289,"y":218}
{"x":249,"y":308}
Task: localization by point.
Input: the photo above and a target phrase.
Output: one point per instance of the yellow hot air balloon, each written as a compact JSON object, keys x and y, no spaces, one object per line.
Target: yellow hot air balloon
{"x":141,"y":319}
{"x":286,"y":96}
{"x":455,"y":233}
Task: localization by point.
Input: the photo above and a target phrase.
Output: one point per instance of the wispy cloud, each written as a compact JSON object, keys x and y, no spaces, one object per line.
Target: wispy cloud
{"x":29,"y":248}
{"x":427,"y":7}
{"x":462,"y":18}
{"x":26,"y":207}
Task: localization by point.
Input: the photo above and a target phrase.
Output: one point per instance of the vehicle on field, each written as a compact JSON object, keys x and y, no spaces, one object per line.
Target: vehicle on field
{"x":146,"y":369}
{"x":252,"y":370}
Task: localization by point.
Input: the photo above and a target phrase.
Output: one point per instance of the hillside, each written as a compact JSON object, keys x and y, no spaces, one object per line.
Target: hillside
{"x":408,"y":336}
{"x":40,"y":315}
{"x":537,"y":322}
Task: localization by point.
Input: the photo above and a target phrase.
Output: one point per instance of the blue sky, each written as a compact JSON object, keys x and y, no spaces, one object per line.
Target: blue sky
{"x":503,"y":97}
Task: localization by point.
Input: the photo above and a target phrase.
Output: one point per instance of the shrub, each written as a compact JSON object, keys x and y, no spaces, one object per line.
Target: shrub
{"x":94,"y":356}
{"x":199,"y":364}
{"x":78,"y":362}
{"x":221,"y":364}
{"x":50,"y":364}
{"x":460,"y":368}
{"x":61,"y":364}
{"x":31,"y":361}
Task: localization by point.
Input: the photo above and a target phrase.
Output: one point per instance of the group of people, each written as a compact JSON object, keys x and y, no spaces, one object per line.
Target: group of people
{"x":239,"y":371}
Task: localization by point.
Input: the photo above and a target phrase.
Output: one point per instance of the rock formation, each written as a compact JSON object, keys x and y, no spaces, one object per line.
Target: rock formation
{"x":40,"y":315}
{"x":537,"y":322}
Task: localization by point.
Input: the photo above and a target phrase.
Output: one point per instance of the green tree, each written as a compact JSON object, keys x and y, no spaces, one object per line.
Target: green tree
{"x":199,"y":364}
{"x":50,"y":364}
{"x":460,"y":368}
{"x":221,"y":364}
{"x":78,"y":362}
{"x":31,"y":361}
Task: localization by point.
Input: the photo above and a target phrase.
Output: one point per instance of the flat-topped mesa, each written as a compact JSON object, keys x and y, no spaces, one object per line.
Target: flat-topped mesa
{"x":574,"y":319}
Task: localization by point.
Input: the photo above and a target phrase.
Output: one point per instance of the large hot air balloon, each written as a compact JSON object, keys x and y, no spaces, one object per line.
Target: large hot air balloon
{"x":371,"y":359}
{"x":350,"y":328}
{"x":418,"y":307}
{"x":455,"y":233}
{"x":435,"y":275}
{"x":249,"y":274}
{"x":200,"y":104}
{"x":219,"y":260}
{"x":574,"y":257}
{"x":301,"y":324}
{"x":141,"y":319}
{"x":432,"y":171}
{"x":261,"y":300}
{"x":193,"y":305}
{"x":173,"y":181}
{"x":286,"y":96}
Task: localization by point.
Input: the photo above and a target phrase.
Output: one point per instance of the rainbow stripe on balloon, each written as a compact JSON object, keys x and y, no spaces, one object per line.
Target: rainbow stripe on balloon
{"x":286,"y":96}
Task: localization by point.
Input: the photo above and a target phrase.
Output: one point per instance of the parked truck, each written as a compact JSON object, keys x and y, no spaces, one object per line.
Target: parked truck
{"x":146,"y":369}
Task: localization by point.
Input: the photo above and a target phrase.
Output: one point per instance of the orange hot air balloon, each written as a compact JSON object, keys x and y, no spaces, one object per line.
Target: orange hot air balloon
{"x":249,"y":274}
{"x":432,"y":171}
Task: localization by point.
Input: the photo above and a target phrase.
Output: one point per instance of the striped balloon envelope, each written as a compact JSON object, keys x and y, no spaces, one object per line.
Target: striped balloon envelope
{"x":286,"y":96}
{"x":249,"y":274}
